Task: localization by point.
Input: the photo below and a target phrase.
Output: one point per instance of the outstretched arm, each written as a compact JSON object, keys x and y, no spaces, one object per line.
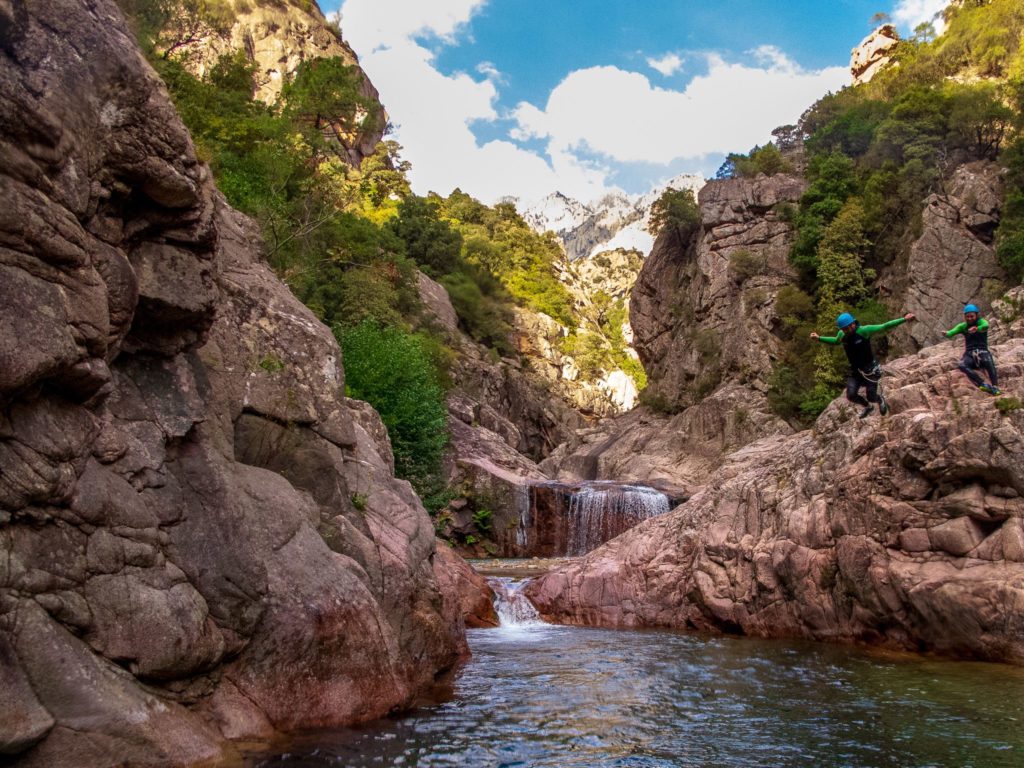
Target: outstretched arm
{"x":960,"y":328}
{"x":871,"y":330}
{"x":837,"y":339}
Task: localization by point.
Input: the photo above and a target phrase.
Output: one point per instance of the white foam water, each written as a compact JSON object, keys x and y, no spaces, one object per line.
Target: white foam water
{"x":598,"y":513}
{"x":513,"y":607}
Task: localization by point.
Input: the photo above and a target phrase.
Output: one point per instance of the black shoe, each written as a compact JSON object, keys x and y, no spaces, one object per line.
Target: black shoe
{"x":866,"y":412}
{"x":883,"y":405}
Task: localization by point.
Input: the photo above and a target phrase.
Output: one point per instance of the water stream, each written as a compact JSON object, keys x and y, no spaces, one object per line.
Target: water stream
{"x":542,"y":695}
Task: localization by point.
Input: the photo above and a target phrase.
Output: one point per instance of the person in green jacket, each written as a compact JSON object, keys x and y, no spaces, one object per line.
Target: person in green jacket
{"x":864,"y":368}
{"x":976,"y":352}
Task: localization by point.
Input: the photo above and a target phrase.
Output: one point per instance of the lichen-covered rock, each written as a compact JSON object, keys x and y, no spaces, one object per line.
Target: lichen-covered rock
{"x":704,"y":311}
{"x":903,"y":531}
{"x":201,"y":539}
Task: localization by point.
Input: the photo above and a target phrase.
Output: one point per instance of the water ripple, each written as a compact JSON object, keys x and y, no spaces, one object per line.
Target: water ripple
{"x":560,"y":696}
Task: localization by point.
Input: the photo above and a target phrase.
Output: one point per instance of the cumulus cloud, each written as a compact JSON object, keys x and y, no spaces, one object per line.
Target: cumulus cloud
{"x":910,"y":13}
{"x":593,"y":123}
{"x":372,"y":24}
{"x":667,"y":65}
{"x":622,"y":116}
{"x":433,"y":111}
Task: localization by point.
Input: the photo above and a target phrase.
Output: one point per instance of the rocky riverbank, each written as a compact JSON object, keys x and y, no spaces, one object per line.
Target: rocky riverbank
{"x":905,"y":531}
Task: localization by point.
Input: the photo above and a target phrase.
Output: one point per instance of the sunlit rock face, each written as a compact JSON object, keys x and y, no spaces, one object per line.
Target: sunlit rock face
{"x":703,"y":311}
{"x":201,"y":539}
{"x":905,"y":531}
{"x":873,"y":54}
{"x":277,"y":36}
{"x":953,"y":261}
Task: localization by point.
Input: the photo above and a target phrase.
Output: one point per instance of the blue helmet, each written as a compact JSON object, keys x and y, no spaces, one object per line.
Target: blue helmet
{"x":971,"y":308}
{"x":844,"y":320}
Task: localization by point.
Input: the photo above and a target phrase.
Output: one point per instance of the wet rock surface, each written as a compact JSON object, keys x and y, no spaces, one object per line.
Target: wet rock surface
{"x":902,"y":531}
{"x":201,"y":539}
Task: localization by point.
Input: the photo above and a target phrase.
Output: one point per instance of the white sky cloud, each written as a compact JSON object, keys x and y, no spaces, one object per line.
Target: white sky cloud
{"x":433,"y":111}
{"x":910,"y":13}
{"x":620,"y":115}
{"x":667,"y":65}
{"x":595,"y":120}
{"x":372,"y":24}
{"x":491,"y":72}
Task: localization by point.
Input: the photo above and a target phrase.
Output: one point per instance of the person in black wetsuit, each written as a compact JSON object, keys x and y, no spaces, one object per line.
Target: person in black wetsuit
{"x":976,"y":353}
{"x":864,"y":369}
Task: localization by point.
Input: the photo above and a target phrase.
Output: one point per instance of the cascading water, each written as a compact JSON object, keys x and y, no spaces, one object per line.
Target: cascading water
{"x":511,"y":605}
{"x":600,"y":512}
{"x":558,"y":519}
{"x":522,"y":497}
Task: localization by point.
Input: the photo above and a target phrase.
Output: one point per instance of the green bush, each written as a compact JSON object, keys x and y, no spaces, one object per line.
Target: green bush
{"x":676,"y":211}
{"x":487,"y":320}
{"x":744,"y":265}
{"x":390,"y":369}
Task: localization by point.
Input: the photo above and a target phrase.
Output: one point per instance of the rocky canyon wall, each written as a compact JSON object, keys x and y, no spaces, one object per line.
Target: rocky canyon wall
{"x":200,"y":538}
{"x":703,"y":311}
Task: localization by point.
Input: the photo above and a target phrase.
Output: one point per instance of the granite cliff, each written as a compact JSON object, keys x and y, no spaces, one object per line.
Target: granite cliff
{"x":201,"y":539}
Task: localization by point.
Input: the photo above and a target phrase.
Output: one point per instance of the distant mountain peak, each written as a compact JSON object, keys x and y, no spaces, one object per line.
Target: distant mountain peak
{"x":616,"y":220}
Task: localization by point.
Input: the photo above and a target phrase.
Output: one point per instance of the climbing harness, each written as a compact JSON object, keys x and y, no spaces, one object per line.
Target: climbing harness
{"x":874,"y":375}
{"x":981,"y":357}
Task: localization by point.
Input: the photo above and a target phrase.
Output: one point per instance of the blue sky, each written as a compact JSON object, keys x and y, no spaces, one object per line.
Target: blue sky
{"x":523,"y":97}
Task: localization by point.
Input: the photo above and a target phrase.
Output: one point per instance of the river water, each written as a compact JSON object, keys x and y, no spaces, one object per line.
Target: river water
{"x":542,"y":695}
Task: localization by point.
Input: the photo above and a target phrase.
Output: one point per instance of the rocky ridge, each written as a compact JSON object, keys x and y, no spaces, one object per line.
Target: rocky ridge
{"x":200,"y":539}
{"x":616,"y":221}
{"x":873,"y":54}
{"x":905,"y":531}
{"x":277,"y":36}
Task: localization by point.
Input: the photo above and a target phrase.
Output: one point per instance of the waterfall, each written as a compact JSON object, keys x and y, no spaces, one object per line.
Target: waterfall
{"x":511,"y":605}
{"x":523,"y":506}
{"x":600,"y":512}
{"x":555,"y":519}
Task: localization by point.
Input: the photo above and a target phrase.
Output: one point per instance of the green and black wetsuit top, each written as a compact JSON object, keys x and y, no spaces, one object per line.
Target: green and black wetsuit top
{"x":975,"y":341}
{"x":857,"y":345}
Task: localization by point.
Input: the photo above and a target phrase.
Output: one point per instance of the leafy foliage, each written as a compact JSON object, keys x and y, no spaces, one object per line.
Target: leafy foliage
{"x":676,"y":211}
{"x":391,"y":369}
{"x":767,"y":160}
{"x":875,"y":152}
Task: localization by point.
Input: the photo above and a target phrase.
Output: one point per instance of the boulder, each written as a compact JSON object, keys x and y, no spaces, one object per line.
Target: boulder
{"x":475,"y":597}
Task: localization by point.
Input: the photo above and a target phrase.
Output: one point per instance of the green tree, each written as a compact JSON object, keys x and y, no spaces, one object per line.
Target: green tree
{"x":324,"y":95}
{"x":676,"y":211}
{"x":429,"y":241}
{"x":391,"y":369}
